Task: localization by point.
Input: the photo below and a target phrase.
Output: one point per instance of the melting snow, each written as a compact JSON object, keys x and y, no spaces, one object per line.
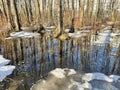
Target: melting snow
{"x":59,"y":73}
{"x":115,"y":77}
{"x":77,"y":84}
{"x":69,"y":79}
{"x":96,"y":76}
{"x":71,"y":72}
{"x":74,"y":35}
{"x":87,"y":85}
{"x":66,"y":30}
{"x":23,"y":34}
{"x":50,"y":28}
{"x":80,"y":86}
{"x":3,"y":61}
{"x":5,"y":71}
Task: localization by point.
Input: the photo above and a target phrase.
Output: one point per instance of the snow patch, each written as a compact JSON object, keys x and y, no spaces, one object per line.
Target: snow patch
{"x":50,"y":27}
{"x":5,"y":71}
{"x":23,"y":34}
{"x":115,"y":77}
{"x":71,"y":72}
{"x":62,"y":73}
{"x":96,"y":76}
{"x":3,"y":61}
{"x":107,"y":28}
{"x":76,"y":84}
{"x":59,"y":73}
{"x":79,"y":85}
{"x":66,"y":30}
{"x":87,"y":85}
{"x":74,"y":35}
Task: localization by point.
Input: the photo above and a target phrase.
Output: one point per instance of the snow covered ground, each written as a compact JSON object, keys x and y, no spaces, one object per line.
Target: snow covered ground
{"x":60,"y":79}
{"x":3,"y":61}
{"x":5,"y":70}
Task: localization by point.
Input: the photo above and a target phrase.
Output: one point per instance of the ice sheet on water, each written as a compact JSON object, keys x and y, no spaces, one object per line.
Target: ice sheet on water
{"x":5,"y":71}
{"x":3,"y":61}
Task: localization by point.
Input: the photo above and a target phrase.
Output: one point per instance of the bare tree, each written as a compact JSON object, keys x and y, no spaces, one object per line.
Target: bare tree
{"x":60,"y":16}
{"x":4,"y":10}
{"x":30,"y":10}
{"x":15,"y":13}
{"x":8,"y":11}
{"x":37,"y":10}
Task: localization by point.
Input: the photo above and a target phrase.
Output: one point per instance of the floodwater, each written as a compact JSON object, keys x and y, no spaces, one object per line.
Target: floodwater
{"x":35,"y":57}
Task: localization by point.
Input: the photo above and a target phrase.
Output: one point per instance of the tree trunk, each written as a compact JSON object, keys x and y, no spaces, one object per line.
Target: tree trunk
{"x":60,"y":17}
{"x":43,"y":10}
{"x":82,"y":11}
{"x":37,"y":10}
{"x":8,"y":11}
{"x":50,"y":12}
{"x":15,"y":13}
{"x":27,"y":14}
{"x":30,"y":10}
{"x":4,"y":10}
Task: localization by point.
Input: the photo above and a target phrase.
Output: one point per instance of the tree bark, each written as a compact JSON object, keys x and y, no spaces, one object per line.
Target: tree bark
{"x":30,"y":10}
{"x":27,"y":14}
{"x":60,"y":17}
{"x":37,"y":10}
{"x":15,"y":13}
{"x":4,"y":10}
{"x":82,"y":11}
{"x":8,"y":12}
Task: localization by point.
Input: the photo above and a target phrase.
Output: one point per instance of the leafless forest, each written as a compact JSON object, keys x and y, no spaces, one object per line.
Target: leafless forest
{"x":41,"y":39}
{"x":18,"y":13}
